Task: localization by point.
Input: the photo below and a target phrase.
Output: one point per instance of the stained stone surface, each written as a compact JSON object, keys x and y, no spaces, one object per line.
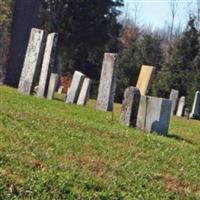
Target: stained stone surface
{"x":47,"y":64}
{"x":85,"y":92}
{"x":154,"y":114}
{"x":130,"y":107}
{"x":174,"y":98}
{"x":106,"y":92}
{"x":181,"y":106}
{"x":144,"y":79}
{"x":60,"y":90}
{"x":32,"y":60}
{"x":195,"y":114}
{"x":52,"y":85}
{"x":75,"y":88}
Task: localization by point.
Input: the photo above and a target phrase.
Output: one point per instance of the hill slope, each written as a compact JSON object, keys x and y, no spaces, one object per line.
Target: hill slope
{"x":50,"y":150}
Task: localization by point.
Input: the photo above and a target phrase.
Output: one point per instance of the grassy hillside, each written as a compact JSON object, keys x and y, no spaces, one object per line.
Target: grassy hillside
{"x":50,"y":150}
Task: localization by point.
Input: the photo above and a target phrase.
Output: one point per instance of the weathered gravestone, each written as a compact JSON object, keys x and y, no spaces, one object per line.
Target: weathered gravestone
{"x":52,"y":85}
{"x":187,"y":113}
{"x":174,"y":98}
{"x":181,"y":106}
{"x":85,"y":92}
{"x":47,"y":64}
{"x":107,"y":85}
{"x":32,"y":61}
{"x":154,"y":114}
{"x":195,"y":114}
{"x":60,"y":90}
{"x":144,"y":79}
{"x":75,"y":88}
{"x":130,"y":106}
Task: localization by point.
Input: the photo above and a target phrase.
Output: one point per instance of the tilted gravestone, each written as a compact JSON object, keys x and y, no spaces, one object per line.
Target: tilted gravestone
{"x":144,"y":79}
{"x":195,"y":114}
{"x":174,"y":98}
{"x":60,"y":90}
{"x":32,"y":61}
{"x":130,"y":107}
{"x":181,"y":106}
{"x":85,"y":92}
{"x":52,"y":85}
{"x":107,"y":85}
{"x":47,"y":64}
{"x":75,"y":88}
{"x":154,"y":114}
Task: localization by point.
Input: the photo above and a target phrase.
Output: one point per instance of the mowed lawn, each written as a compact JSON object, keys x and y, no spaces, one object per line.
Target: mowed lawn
{"x":50,"y":150}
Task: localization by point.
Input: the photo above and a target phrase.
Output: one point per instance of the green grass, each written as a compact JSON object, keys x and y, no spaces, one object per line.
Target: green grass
{"x":50,"y":150}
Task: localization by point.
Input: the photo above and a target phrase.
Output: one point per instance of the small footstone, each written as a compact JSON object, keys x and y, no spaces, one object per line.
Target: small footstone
{"x":52,"y":85}
{"x":195,"y":114}
{"x":60,"y":90}
{"x":181,"y":106}
{"x":174,"y":98}
{"x":130,"y":107}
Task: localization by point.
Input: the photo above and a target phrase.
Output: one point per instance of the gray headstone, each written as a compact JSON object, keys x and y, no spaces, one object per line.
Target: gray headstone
{"x":47,"y":64}
{"x":187,"y":113}
{"x":75,"y":87}
{"x":154,"y":114}
{"x":181,"y":106}
{"x":32,"y":60}
{"x":195,"y":114}
{"x":130,"y":107}
{"x":174,"y":98}
{"x":85,"y":92}
{"x":107,"y":85}
{"x":52,"y":85}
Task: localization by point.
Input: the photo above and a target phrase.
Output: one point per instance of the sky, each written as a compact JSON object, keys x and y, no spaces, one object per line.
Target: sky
{"x":157,"y":12}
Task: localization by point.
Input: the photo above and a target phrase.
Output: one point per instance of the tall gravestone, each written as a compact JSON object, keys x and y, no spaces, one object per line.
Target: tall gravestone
{"x":32,"y":61}
{"x":85,"y":92}
{"x":154,"y":114}
{"x":195,"y":114}
{"x":52,"y":85}
{"x":174,"y":98}
{"x":144,"y":79}
{"x":75,"y":88}
{"x":107,"y":85}
{"x":47,"y":64}
{"x":181,"y":106}
{"x":130,"y":107}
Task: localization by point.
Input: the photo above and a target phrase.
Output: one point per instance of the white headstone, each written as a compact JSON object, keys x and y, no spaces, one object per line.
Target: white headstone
{"x":60,"y":90}
{"x":32,"y":60}
{"x":195,"y":114}
{"x":181,"y":106}
{"x":52,"y":85}
{"x":174,"y":98}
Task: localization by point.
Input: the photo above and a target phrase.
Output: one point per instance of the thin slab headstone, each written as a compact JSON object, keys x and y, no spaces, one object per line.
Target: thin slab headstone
{"x":47,"y":64}
{"x":174,"y":98}
{"x":130,"y":107}
{"x":60,"y":90}
{"x":195,"y":114}
{"x":144,"y":79}
{"x":75,"y":87}
{"x":106,"y":92}
{"x":154,"y":114}
{"x":85,"y":92}
{"x":32,"y":61}
{"x":52,"y":85}
{"x":187,"y":113}
{"x":181,"y":106}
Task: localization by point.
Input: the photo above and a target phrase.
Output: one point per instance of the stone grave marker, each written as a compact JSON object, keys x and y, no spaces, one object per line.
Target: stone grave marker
{"x":130,"y":107}
{"x":144,"y":79}
{"x":85,"y":92}
{"x":47,"y":64}
{"x":174,"y":98}
{"x":75,"y":88}
{"x":52,"y":85}
{"x":181,"y":106}
{"x":107,"y":85}
{"x":60,"y":90}
{"x":195,"y":114}
{"x":32,"y":60}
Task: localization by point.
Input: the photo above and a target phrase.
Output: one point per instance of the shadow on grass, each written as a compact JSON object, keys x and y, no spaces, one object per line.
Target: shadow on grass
{"x":180,"y":139}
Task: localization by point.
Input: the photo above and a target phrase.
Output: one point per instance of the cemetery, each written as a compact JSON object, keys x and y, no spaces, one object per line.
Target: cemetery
{"x":68,"y":135}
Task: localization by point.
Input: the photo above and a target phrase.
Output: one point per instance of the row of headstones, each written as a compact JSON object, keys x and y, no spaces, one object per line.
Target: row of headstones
{"x":178,"y":105}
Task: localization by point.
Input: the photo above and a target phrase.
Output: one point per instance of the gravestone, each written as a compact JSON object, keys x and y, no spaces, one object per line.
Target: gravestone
{"x":144,"y":79}
{"x":181,"y":106}
{"x":47,"y":64}
{"x":174,"y":98}
{"x":195,"y":114}
{"x":75,"y":88}
{"x":187,"y":113}
{"x":130,"y":107}
{"x":107,"y":85}
{"x":60,"y":90}
{"x":85,"y":92}
{"x":154,"y":114}
{"x":32,"y":61}
{"x":52,"y":85}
